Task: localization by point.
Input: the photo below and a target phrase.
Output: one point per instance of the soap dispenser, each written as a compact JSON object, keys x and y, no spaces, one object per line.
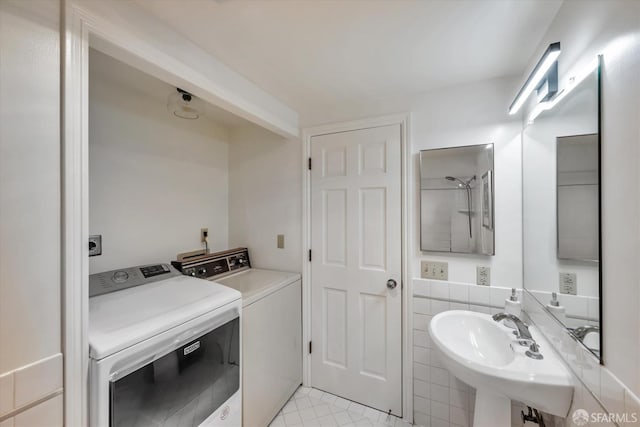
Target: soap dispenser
{"x":512,"y":305}
{"x":556,"y":309}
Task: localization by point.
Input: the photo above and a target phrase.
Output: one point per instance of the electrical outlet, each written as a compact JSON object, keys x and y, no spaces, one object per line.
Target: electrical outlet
{"x":95,"y":245}
{"x":434,"y":270}
{"x":280,"y":241}
{"x":204,"y":234}
{"x":568,"y":283}
{"x":483,"y":275}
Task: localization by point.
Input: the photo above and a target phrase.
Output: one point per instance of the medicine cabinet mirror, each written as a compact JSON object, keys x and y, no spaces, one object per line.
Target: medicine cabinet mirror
{"x":561,"y":210}
{"x":457,"y":200}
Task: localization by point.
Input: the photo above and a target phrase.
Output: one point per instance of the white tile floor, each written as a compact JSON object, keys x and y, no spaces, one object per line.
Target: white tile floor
{"x":312,"y":407}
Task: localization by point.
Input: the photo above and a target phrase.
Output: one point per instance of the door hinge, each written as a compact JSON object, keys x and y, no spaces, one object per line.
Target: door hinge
{"x":309,"y":163}
{"x":310,"y":348}
{"x":309,"y":255}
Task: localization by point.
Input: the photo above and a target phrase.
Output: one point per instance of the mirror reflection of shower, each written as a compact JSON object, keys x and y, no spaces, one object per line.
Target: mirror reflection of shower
{"x":456,"y":200}
{"x":467,"y":186}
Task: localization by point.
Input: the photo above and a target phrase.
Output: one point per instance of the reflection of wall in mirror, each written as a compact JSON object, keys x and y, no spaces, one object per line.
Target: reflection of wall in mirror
{"x":541,"y":262}
{"x":543,"y":211}
{"x":435,"y":209}
{"x":577,"y":193}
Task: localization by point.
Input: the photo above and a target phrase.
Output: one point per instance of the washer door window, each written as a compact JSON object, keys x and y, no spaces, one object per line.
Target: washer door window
{"x":184,"y":386}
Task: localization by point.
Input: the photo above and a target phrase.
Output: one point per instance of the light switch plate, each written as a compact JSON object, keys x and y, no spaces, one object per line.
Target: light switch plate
{"x":568,"y":283}
{"x":483,"y":275}
{"x":280,"y":241}
{"x":95,"y":245}
{"x":434,"y":270}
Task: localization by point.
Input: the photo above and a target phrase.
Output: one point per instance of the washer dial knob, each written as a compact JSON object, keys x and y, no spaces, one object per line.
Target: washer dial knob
{"x":120,"y":276}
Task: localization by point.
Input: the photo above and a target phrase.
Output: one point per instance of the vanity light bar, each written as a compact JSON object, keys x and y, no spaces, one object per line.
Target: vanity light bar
{"x":539,"y":72}
{"x":574,"y":81}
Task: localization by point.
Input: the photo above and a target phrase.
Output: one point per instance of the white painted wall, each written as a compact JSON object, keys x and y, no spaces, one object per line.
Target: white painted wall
{"x":30,"y":183}
{"x":30,"y":313}
{"x":613,"y":29}
{"x":265,"y":197}
{"x":468,"y":115}
{"x":154,"y":179}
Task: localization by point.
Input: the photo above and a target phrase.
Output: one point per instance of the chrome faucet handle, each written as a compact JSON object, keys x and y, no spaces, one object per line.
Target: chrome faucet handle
{"x":534,"y":352}
{"x":527,"y":342}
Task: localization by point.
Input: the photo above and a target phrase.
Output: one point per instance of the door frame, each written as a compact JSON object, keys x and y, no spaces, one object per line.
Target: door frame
{"x":403,"y":120}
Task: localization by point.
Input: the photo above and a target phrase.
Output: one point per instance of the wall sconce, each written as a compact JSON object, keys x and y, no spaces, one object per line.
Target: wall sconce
{"x":544,"y":77}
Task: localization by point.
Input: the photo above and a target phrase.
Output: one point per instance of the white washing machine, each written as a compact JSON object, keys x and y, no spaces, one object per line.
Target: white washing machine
{"x":165,"y":349}
{"x":271,"y":329}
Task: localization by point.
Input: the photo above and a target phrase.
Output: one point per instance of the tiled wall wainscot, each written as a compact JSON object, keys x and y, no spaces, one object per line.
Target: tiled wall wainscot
{"x":32,"y":394}
{"x":598,"y":391}
{"x":439,"y":398}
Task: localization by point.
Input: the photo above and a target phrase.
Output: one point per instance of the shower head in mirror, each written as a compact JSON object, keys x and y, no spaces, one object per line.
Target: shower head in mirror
{"x":453,"y":178}
{"x":466,"y":185}
{"x":462,"y":183}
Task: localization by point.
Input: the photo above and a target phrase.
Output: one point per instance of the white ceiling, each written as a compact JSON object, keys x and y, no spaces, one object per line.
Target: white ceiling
{"x":315,"y":54}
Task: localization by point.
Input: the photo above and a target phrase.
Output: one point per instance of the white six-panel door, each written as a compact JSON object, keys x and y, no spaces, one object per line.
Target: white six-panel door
{"x":356,"y":250}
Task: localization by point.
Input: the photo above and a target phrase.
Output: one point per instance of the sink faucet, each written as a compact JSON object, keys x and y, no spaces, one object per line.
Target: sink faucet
{"x":523,"y":334}
{"x":523,"y":330}
{"x":582,"y":331}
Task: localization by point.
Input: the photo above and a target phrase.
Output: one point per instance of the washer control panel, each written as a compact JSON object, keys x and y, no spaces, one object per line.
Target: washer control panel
{"x":217,"y":265}
{"x":117,"y":280}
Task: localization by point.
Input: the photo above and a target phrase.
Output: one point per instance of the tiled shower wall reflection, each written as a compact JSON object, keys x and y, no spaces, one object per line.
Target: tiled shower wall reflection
{"x":439,"y":398}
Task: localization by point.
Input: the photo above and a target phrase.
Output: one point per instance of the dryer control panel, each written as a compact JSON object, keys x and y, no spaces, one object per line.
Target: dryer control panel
{"x":216,"y":265}
{"x":117,"y":280}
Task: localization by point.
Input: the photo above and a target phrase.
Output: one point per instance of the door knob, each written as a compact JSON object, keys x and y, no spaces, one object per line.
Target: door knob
{"x":391,"y":284}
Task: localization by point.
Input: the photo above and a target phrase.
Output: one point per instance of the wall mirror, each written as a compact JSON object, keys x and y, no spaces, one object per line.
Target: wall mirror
{"x":561,"y":210}
{"x":456,"y":200}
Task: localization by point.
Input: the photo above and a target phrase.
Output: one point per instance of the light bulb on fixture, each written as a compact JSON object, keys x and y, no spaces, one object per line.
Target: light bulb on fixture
{"x":573,"y":82}
{"x":537,"y":75}
{"x":184,"y":105}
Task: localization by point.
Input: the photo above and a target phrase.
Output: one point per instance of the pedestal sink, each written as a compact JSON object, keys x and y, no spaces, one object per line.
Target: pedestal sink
{"x":486,"y":355}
